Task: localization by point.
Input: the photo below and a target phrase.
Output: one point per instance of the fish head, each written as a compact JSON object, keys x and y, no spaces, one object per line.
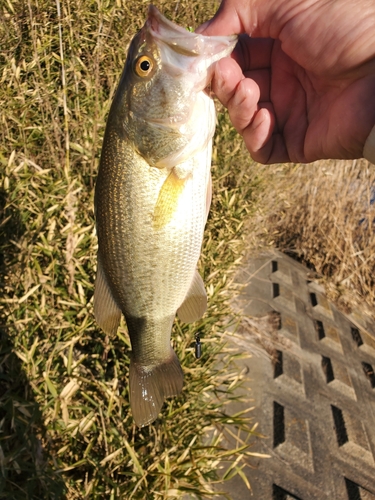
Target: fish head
{"x":159,"y":104}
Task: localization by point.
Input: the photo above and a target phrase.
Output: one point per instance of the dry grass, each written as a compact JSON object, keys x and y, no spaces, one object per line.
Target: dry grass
{"x":65,"y":426}
{"x":323,"y":214}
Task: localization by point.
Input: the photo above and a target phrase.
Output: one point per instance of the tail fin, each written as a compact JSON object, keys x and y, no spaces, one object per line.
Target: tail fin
{"x":149,"y":386}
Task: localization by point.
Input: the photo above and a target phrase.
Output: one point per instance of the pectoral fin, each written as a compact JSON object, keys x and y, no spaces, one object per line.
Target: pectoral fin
{"x":208,"y":195}
{"x":195,"y":303}
{"x":107,"y":313}
{"x":167,"y":201}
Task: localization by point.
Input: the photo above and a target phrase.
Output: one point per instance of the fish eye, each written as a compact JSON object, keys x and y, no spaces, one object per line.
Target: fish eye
{"x":143,"y":66}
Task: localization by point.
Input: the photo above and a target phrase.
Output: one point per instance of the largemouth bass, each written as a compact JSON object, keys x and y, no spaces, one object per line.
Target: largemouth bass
{"x":152,"y":198}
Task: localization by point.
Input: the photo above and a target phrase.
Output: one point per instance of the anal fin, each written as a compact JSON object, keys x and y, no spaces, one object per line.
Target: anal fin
{"x":107,"y":313}
{"x":195,"y":302}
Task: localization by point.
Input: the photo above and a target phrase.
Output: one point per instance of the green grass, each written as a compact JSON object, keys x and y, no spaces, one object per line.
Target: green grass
{"x":65,"y":426}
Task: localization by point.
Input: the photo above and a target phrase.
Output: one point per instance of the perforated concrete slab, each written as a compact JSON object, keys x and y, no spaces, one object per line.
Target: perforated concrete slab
{"x":314,"y":389}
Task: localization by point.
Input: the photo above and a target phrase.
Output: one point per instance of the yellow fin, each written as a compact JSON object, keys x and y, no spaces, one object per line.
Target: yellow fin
{"x":167,"y":202}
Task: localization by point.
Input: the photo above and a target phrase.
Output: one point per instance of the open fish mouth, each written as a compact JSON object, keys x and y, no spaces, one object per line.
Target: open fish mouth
{"x":187,"y":52}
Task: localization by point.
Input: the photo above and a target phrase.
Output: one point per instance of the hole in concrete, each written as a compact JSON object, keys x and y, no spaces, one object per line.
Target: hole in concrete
{"x":356,"y":336}
{"x":338,"y":418}
{"x":274,"y":320}
{"x":314,"y":300}
{"x":319,"y":327}
{"x":369,"y":372}
{"x":278,"y":366}
{"x":278,"y":424}
{"x":327,"y":369}
{"x":274,"y":266}
{"x":353,"y":490}
{"x":275,"y":290}
{"x":281,"y":494}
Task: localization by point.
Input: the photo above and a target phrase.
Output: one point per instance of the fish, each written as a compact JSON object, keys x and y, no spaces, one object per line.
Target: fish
{"x":152,"y":197}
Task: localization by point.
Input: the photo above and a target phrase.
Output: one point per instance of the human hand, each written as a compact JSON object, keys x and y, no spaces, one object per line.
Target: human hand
{"x":302,"y":87}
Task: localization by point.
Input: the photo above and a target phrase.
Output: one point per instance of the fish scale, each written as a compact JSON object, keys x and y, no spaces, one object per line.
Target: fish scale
{"x":151,"y":201}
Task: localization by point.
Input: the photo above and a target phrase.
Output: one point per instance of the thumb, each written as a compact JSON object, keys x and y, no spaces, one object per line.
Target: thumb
{"x":226,"y":21}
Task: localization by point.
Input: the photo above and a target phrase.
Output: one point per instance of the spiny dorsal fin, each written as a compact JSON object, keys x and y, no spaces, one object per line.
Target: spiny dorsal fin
{"x":195,"y":302}
{"x":167,"y":201}
{"x":107,"y":313}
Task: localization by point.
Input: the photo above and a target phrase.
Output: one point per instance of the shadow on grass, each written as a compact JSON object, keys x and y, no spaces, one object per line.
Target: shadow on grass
{"x":25,"y":464}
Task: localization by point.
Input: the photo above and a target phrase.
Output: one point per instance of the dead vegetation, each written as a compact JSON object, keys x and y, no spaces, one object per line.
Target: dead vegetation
{"x":65,"y":426}
{"x":322,"y":214}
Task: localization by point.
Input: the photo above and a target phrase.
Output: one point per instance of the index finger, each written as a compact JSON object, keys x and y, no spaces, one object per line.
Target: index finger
{"x":226,"y":21}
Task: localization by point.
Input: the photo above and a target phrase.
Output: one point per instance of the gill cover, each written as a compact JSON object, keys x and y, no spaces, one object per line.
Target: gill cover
{"x":159,"y":94}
